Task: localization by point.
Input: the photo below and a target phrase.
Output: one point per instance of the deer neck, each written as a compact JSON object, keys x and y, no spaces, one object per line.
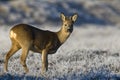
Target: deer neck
{"x":63,"y":35}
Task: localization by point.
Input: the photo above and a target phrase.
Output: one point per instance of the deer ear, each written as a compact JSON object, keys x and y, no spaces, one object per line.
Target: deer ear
{"x":74,"y":17}
{"x":62,"y":16}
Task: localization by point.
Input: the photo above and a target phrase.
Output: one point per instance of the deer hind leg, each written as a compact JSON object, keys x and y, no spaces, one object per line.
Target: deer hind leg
{"x":23,"y":58}
{"x":14,"y":48}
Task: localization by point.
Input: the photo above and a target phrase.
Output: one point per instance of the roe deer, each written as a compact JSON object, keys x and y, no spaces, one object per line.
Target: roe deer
{"x":27,"y":37}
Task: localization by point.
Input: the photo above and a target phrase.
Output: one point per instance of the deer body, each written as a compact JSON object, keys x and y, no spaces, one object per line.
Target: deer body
{"x":27,"y":37}
{"x":39,"y":39}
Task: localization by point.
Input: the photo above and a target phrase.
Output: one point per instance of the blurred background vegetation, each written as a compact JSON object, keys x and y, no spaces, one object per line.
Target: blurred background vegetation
{"x":101,"y":12}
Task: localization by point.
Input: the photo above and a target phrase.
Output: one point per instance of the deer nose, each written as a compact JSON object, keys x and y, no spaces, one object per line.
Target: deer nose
{"x":70,"y":29}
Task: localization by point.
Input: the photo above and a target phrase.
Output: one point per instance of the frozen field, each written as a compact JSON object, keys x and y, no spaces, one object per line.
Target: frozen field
{"x":92,"y":52}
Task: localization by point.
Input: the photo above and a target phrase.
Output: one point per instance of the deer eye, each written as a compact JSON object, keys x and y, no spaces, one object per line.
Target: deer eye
{"x":65,"y":24}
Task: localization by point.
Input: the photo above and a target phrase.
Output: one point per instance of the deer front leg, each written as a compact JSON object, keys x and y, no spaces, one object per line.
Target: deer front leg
{"x":44,"y":61}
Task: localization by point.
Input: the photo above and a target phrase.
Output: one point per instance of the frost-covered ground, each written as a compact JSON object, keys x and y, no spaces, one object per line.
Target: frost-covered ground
{"x":92,"y":52}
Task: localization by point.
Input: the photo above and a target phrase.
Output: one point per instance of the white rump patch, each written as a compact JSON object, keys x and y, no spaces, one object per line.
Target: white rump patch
{"x":12,"y":34}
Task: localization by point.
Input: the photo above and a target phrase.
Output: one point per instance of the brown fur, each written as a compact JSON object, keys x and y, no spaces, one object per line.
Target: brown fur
{"x":27,"y":37}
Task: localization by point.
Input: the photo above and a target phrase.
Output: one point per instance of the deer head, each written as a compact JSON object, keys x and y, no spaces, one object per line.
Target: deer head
{"x":68,"y":22}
